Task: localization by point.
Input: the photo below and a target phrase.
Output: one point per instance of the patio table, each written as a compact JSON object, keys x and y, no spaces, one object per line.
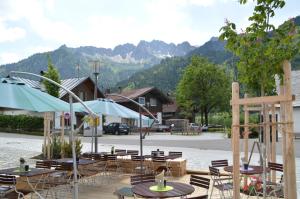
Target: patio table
{"x":252,"y":170}
{"x":70,"y":161}
{"x":178,"y":190}
{"x":28,"y":180}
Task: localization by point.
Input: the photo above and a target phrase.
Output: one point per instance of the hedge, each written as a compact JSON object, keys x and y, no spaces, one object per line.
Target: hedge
{"x":21,"y":123}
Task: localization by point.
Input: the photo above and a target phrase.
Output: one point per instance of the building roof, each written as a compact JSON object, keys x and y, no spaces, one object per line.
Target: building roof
{"x":67,"y":83}
{"x":135,"y":93}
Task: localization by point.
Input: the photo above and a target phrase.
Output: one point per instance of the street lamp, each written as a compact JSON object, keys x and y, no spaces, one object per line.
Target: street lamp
{"x":96,"y":71}
{"x":77,"y":68}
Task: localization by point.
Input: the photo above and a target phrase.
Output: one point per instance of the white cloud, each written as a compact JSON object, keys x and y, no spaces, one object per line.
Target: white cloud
{"x":33,"y":11}
{"x":9,"y":57}
{"x":10,"y":34}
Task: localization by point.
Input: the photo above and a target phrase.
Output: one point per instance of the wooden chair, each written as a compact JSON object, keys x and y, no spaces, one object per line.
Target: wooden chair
{"x":222,"y":184}
{"x":132,"y":152}
{"x":175,"y":154}
{"x":219,"y":163}
{"x":43,"y":164}
{"x":157,"y":153}
{"x":120,"y":152}
{"x":134,"y":180}
{"x":202,"y":183}
{"x":138,"y":179}
{"x":8,"y":185}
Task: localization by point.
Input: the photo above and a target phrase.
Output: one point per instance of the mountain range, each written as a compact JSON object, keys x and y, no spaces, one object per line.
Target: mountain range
{"x":154,"y":63}
{"x":116,"y":64}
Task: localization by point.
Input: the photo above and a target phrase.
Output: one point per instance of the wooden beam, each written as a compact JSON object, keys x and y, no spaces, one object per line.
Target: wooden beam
{"x":273,"y":151}
{"x":283,"y":132}
{"x":252,"y":108}
{"x":267,"y":133}
{"x":62,"y":136}
{"x":235,"y":141}
{"x":246,"y":136}
{"x":290,"y":154}
{"x":264,"y":100}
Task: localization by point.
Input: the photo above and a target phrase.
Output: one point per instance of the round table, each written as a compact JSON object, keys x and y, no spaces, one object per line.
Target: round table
{"x":179,"y":189}
{"x":251,"y":170}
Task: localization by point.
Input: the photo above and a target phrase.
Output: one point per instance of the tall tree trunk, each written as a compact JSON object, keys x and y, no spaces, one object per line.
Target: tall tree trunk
{"x":206,"y":116}
{"x":202,"y":118}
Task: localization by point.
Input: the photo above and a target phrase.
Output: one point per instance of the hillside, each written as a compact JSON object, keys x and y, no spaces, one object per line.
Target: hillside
{"x":116,"y":64}
{"x":166,"y":75}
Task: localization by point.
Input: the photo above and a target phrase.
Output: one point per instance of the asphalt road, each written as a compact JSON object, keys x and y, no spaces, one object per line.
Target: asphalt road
{"x":205,"y":141}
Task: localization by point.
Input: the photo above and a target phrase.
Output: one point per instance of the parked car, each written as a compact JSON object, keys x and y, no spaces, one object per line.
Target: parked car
{"x":195,"y":127}
{"x":116,"y":128}
{"x":160,"y":128}
{"x":204,"y":128}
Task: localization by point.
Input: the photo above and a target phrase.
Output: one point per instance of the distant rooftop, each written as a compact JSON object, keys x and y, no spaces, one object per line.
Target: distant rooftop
{"x":135,"y":93}
{"x":67,"y":83}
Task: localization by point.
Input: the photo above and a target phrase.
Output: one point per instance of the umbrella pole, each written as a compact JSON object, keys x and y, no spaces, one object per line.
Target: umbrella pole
{"x":75,"y":191}
{"x":141,"y":140}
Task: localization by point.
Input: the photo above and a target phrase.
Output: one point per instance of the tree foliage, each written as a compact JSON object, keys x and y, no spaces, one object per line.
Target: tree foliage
{"x":262,"y":48}
{"x":52,"y":73}
{"x":204,"y":87}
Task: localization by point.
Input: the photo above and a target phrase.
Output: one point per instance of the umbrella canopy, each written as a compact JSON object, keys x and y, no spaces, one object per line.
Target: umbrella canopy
{"x":109,"y":107}
{"x":17,"y":95}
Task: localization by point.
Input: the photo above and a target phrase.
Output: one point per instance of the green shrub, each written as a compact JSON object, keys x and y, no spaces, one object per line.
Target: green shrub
{"x":67,"y":148}
{"x":20,"y":123}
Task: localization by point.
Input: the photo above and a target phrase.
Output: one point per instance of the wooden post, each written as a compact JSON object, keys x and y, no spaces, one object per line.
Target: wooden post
{"x":290,"y":154}
{"x":246,"y":136}
{"x":267,"y":137}
{"x":283,"y":133}
{"x":48,"y":136}
{"x":62,"y":136}
{"x":235,"y":140}
{"x":45,"y":135}
{"x":273,"y":151}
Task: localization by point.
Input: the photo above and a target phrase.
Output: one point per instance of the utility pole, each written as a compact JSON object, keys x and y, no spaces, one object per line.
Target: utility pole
{"x":77,"y":68}
{"x":96,"y":68}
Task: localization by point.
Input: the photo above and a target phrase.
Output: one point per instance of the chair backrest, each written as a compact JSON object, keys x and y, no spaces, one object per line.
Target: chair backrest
{"x":63,"y":167}
{"x":132,"y":152}
{"x":160,"y":153}
{"x":275,"y":166}
{"x":7,"y":179}
{"x":160,"y":159}
{"x":219,"y":163}
{"x":111,"y":157}
{"x":200,"y":181}
{"x":175,"y":154}
{"x":120,"y":151}
{"x":214,"y":171}
{"x":43,"y":164}
{"x":138,"y":179}
{"x":137,"y":158}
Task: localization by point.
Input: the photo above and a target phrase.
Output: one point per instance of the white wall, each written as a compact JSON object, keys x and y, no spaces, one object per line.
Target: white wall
{"x":297,"y":119}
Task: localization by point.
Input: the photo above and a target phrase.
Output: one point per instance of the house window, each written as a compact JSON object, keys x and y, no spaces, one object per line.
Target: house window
{"x":81,"y":95}
{"x":153,"y":102}
{"x":142,"y":101}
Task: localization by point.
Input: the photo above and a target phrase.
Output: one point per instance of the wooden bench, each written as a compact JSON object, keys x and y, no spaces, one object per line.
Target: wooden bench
{"x":297,"y":135}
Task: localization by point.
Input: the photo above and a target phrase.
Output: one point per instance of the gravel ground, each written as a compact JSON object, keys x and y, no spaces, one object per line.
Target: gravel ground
{"x":199,"y":156}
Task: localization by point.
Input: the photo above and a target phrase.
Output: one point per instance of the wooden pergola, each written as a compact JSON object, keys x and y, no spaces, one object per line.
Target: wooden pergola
{"x":266,"y":105}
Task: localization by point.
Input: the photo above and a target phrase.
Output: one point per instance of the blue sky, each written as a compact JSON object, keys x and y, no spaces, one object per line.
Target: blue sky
{"x":31,"y":26}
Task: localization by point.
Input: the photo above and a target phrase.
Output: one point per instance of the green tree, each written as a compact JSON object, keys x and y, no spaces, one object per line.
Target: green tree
{"x":262,"y":48}
{"x":204,"y":87}
{"x":52,"y":73}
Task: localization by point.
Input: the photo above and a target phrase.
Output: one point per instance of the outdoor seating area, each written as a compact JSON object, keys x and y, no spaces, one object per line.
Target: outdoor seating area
{"x":54,"y":178}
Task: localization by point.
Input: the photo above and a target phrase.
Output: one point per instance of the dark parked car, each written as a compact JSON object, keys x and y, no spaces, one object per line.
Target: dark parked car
{"x":116,"y":128}
{"x":160,"y":128}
